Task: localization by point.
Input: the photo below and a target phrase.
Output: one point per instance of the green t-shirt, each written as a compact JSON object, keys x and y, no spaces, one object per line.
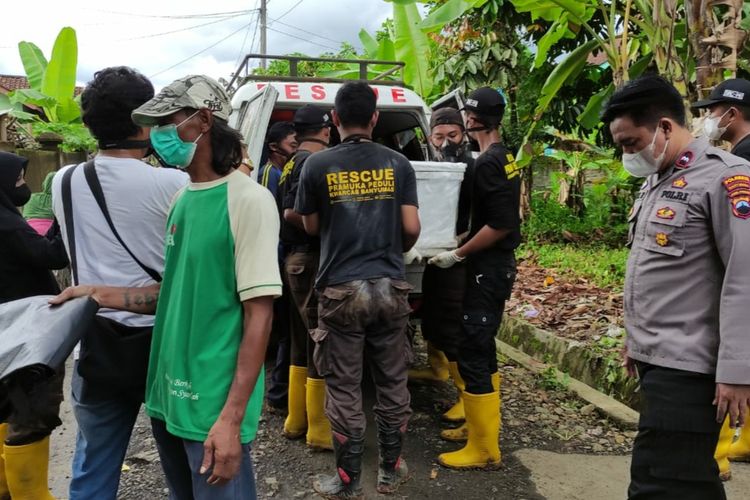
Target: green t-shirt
{"x":221,"y":249}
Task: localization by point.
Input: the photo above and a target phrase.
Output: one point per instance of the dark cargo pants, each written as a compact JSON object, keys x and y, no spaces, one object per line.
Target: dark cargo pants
{"x":489,"y":281}
{"x":301,"y":269}
{"x":364,"y":320}
{"x":673,"y":453}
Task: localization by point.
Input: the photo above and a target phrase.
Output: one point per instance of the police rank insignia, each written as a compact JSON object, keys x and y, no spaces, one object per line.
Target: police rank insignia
{"x":680,"y":183}
{"x":662,"y":239}
{"x":738,"y":190}
{"x":666,"y":213}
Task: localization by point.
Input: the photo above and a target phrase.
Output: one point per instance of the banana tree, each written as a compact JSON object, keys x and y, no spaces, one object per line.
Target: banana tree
{"x":52,"y":84}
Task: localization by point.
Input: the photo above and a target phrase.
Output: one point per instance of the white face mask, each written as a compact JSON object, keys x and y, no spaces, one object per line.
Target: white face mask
{"x":644,"y":163}
{"x":711,"y":127}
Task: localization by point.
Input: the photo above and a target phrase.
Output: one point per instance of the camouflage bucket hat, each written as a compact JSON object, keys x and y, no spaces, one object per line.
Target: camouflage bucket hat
{"x":194,"y":91}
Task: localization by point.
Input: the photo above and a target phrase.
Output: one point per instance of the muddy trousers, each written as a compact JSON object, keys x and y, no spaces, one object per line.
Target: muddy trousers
{"x":442,"y":307}
{"x":364,"y":320}
{"x":300,"y":268}
{"x":36,"y":399}
{"x":673,"y":453}
{"x":489,"y":281}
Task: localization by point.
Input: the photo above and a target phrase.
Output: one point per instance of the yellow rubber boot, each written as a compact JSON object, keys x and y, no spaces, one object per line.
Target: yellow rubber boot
{"x":4,"y":491}
{"x":461,"y":433}
{"x":721,"y":455}
{"x":26,"y":470}
{"x":740,"y":450}
{"x":319,"y":435}
{"x":482,"y":450}
{"x":438,"y":369}
{"x":295,"y":424}
{"x":456,"y":412}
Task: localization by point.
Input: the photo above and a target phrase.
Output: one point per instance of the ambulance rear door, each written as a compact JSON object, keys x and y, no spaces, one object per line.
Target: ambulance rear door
{"x":252,"y":122}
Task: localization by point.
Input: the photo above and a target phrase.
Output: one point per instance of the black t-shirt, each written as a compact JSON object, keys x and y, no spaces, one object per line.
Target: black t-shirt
{"x":291,"y":235}
{"x":496,"y":195}
{"x":742,"y":149}
{"x":464,"y":196}
{"x":357,"y":189}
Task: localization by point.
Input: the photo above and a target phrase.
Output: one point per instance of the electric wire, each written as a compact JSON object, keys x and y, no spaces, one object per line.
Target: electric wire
{"x":300,"y":38}
{"x":290,"y":9}
{"x":201,"y":51}
{"x":178,"y":16}
{"x":240,"y":54}
{"x":188,"y":28}
{"x":305,"y":31}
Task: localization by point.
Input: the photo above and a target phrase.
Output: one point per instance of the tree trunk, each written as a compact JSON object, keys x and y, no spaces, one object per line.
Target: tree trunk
{"x":715,"y":39}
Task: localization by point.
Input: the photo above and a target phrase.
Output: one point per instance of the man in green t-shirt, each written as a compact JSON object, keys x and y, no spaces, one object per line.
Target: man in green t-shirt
{"x":205,"y":385}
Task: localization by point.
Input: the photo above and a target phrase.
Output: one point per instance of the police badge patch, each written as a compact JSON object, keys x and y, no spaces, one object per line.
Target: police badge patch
{"x":666,"y":213}
{"x":680,"y":183}
{"x":738,"y":190}
{"x":662,"y":239}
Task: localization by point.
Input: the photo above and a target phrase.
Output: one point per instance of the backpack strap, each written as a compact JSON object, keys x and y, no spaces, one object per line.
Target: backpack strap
{"x":92,"y":179}
{"x":69,"y":222}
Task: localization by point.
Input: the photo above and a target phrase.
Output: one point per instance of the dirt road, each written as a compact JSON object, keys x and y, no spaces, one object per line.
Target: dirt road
{"x":554,"y":447}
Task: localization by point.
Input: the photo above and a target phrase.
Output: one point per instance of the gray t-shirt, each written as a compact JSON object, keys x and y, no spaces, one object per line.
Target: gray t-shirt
{"x":358,"y":188}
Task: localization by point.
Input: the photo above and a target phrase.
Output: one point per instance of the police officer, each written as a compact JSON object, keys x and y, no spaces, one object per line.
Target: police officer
{"x":686,"y":291}
{"x":306,"y":387}
{"x":728,"y":119}
{"x":443,"y":289}
{"x":490,"y":273}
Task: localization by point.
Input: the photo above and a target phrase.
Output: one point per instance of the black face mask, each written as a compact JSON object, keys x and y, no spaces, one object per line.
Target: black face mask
{"x":20,"y":195}
{"x":451,"y":151}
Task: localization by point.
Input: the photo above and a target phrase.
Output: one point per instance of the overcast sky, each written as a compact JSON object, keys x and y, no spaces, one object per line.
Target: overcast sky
{"x":144,"y":33}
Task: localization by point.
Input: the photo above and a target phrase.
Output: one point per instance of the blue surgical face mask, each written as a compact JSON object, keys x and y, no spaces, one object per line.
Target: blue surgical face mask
{"x":171,"y":149}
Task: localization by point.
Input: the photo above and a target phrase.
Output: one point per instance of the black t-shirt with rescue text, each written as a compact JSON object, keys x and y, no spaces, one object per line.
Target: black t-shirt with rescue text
{"x":742,"y":149}
{"x":291,"y":235}
{"x":496,"y":196}
{"x":357,"y":189}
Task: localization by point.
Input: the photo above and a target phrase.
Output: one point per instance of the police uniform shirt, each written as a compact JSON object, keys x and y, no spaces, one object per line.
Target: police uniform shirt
{"x":742,"y":149}
{"x":291,"y":235}
{"x":687,"y":288}
{"x":496,"y":195}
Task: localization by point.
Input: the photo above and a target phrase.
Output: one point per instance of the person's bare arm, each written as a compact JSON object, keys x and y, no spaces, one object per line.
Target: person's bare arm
{"x":485,"y":238}
{"x":410,"y":226}
{"x":293,"y":218}
{"x":312,"y":224}
{"x":222,"y":448}
{"x":141,"y":300}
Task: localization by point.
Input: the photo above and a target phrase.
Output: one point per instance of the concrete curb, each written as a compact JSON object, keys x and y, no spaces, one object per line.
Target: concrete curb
{"x":608,"y":406}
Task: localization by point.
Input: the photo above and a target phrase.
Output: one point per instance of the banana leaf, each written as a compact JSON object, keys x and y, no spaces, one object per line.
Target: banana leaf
{"x":447,"y":13}
{"x":60,"y":77}
{"x":34,"y":63}
{"x":412,"y":46}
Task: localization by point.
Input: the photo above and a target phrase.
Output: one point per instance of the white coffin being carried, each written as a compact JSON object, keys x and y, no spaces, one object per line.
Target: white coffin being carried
{"x":438,"y":188}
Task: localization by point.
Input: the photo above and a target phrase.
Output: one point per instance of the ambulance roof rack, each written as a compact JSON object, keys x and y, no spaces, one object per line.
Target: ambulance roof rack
{"x":243,"y":71}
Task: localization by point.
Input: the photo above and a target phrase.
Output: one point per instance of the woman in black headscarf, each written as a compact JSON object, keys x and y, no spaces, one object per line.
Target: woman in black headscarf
{"x":25,"y":262}
{"x":25,"y":257}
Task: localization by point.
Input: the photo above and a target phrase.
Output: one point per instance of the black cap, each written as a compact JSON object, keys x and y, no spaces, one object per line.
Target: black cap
{"x":485,"y":101}
{"x":309,"y":116}
{"x":733,"y":91}
{"x":446,"y":116}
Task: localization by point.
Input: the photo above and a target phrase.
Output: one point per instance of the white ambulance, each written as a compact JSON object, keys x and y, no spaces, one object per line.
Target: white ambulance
{"x":403,"y":125}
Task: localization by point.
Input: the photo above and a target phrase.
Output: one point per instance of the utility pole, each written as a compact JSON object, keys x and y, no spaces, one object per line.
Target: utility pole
{"x":263,"y":25}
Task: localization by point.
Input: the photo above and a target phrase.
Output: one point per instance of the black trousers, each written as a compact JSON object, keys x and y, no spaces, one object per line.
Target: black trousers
{"x":442,"y":308}
{"x":673,"y":453}
{"x":489,"y":281}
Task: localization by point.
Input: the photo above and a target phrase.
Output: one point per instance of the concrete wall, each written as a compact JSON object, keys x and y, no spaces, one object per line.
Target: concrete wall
{"x":42,"y":162}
